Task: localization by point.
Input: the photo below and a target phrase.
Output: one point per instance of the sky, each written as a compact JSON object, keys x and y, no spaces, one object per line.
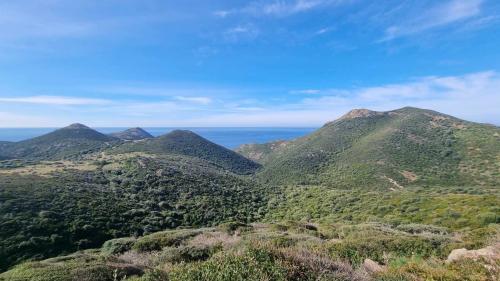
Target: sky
{"x":234,"y":63}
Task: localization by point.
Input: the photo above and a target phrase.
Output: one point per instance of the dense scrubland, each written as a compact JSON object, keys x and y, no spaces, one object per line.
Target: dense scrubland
{"x":370,"y":196}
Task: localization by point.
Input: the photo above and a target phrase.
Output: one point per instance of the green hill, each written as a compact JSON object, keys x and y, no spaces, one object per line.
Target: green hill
{"x":402,"y":188}
{"x":70,"y":141}
{"x":53,"y":207}
{"x":132,"y":134}
{"x":182,"y":142}
{"x":389,"y":150}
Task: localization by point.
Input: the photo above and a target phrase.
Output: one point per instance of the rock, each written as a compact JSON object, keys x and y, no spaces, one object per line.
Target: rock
{"x":372,"y":266}
{"x":489,"y":254}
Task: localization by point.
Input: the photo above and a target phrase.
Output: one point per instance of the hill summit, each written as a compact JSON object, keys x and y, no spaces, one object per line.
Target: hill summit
{"x":132,"y":134}
{"x":357,"y":113}
{"x":391,"y":149}
{"x":69,"y":141}
{"x":184,"y":142}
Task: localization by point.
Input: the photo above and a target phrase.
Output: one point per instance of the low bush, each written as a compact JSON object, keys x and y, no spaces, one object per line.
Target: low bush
{"x":117,"y":246}
{"x":253,"y":264}
{"x":157,"y":241}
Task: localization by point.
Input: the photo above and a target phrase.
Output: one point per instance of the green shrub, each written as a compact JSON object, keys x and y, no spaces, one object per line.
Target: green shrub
{"x":157,"y":241}
{"x":186,"y":254}
{"x":117,"y":246}
{"x":232,"y":227}
{"x":253,"y":264}
{"x":377,"y":249}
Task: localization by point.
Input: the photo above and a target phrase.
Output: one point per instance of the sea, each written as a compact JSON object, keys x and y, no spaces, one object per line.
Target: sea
{"x":228,"y":137}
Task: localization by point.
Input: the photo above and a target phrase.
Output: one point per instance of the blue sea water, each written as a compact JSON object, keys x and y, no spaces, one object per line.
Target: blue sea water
{"x":228,"y":137}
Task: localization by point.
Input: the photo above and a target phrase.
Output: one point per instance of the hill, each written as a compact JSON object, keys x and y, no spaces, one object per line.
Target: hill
{"x":403,"y":188}
{"x":132,"y":134}
{"x":388,"y":150}
{"x":183,"y":142}
{"x":53,"y":207}
{"x":70,"y":141}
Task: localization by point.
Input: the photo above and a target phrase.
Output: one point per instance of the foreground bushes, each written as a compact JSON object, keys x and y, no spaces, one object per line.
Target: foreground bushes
{"x":278,"y":252}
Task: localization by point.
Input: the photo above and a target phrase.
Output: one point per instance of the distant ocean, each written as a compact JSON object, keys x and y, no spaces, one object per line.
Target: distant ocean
{"x":228,"y":137}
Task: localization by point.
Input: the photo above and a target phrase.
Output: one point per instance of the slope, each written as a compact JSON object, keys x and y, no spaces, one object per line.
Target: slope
{"x":70,"y":141}
{"x":52,"y":207}
{"x":181,"y":142}
{"x":390,"y":150}
{"x":132,"y":134}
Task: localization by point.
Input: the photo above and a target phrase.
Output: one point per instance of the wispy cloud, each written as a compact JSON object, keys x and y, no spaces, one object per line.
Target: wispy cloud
{"x":241,"y":32}
{"x":279,"y":8}
{"x":471,"y":96}
{"x":55,"y":100}
{"x":198,"y":100}
{"x":442,"y":14}
{"x":305,"y":92}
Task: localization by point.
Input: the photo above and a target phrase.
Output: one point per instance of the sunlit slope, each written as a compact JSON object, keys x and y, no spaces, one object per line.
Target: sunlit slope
{"x":390,"y":150}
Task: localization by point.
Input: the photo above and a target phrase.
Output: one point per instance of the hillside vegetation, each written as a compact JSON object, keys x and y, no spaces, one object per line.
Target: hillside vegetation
{"x":187,"y":143}
{"x":387,"y":196}
{"x":72,"y":141}
{"x":286,"y":251}
{"x":389,"y":150}
{"x":132,"y":134}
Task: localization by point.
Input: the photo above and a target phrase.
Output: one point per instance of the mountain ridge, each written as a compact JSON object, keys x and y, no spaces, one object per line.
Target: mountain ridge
{"x":391,"y":149}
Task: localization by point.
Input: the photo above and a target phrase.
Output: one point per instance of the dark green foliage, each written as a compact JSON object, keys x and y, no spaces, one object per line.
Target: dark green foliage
{"x":190,"y":144}
{"x":160,"y":240}
{"x":132,"y":134}
{"x":43,"y":217}
{"x":69,"y":142}
{"x":117,"y":246}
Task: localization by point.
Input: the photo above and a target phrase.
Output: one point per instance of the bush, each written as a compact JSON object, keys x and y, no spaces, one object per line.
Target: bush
{"x":375,"y":248}
{"x":185,"y":254}
{"x":253,"y":264}
{"x":157,"y":241}
{"x":232,"y":227}
{"x":117,"y":246}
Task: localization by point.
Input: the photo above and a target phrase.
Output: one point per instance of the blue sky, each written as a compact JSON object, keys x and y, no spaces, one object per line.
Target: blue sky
{"x":244,"y":63}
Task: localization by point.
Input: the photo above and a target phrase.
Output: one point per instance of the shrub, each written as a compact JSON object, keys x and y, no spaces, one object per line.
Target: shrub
{"x":377,"y":248}
{"x":157,"y":241}
{"x":232,"y":227}
{"x":117,"y":246}
{"x":186,"y":254}
{"x":253,"y":264}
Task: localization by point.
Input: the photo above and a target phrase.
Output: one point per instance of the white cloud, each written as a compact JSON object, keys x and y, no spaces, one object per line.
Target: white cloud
{"x":198,"y":100}
{"x":472,"y":97}
{"x":279,"y":8}
{"x":222,"y":13}
{"x":241,"y":32}
{"x":323,"y":30}
{"x":305,"y":92}
{"x":442,"y":14}
{"x":55,"y":100}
